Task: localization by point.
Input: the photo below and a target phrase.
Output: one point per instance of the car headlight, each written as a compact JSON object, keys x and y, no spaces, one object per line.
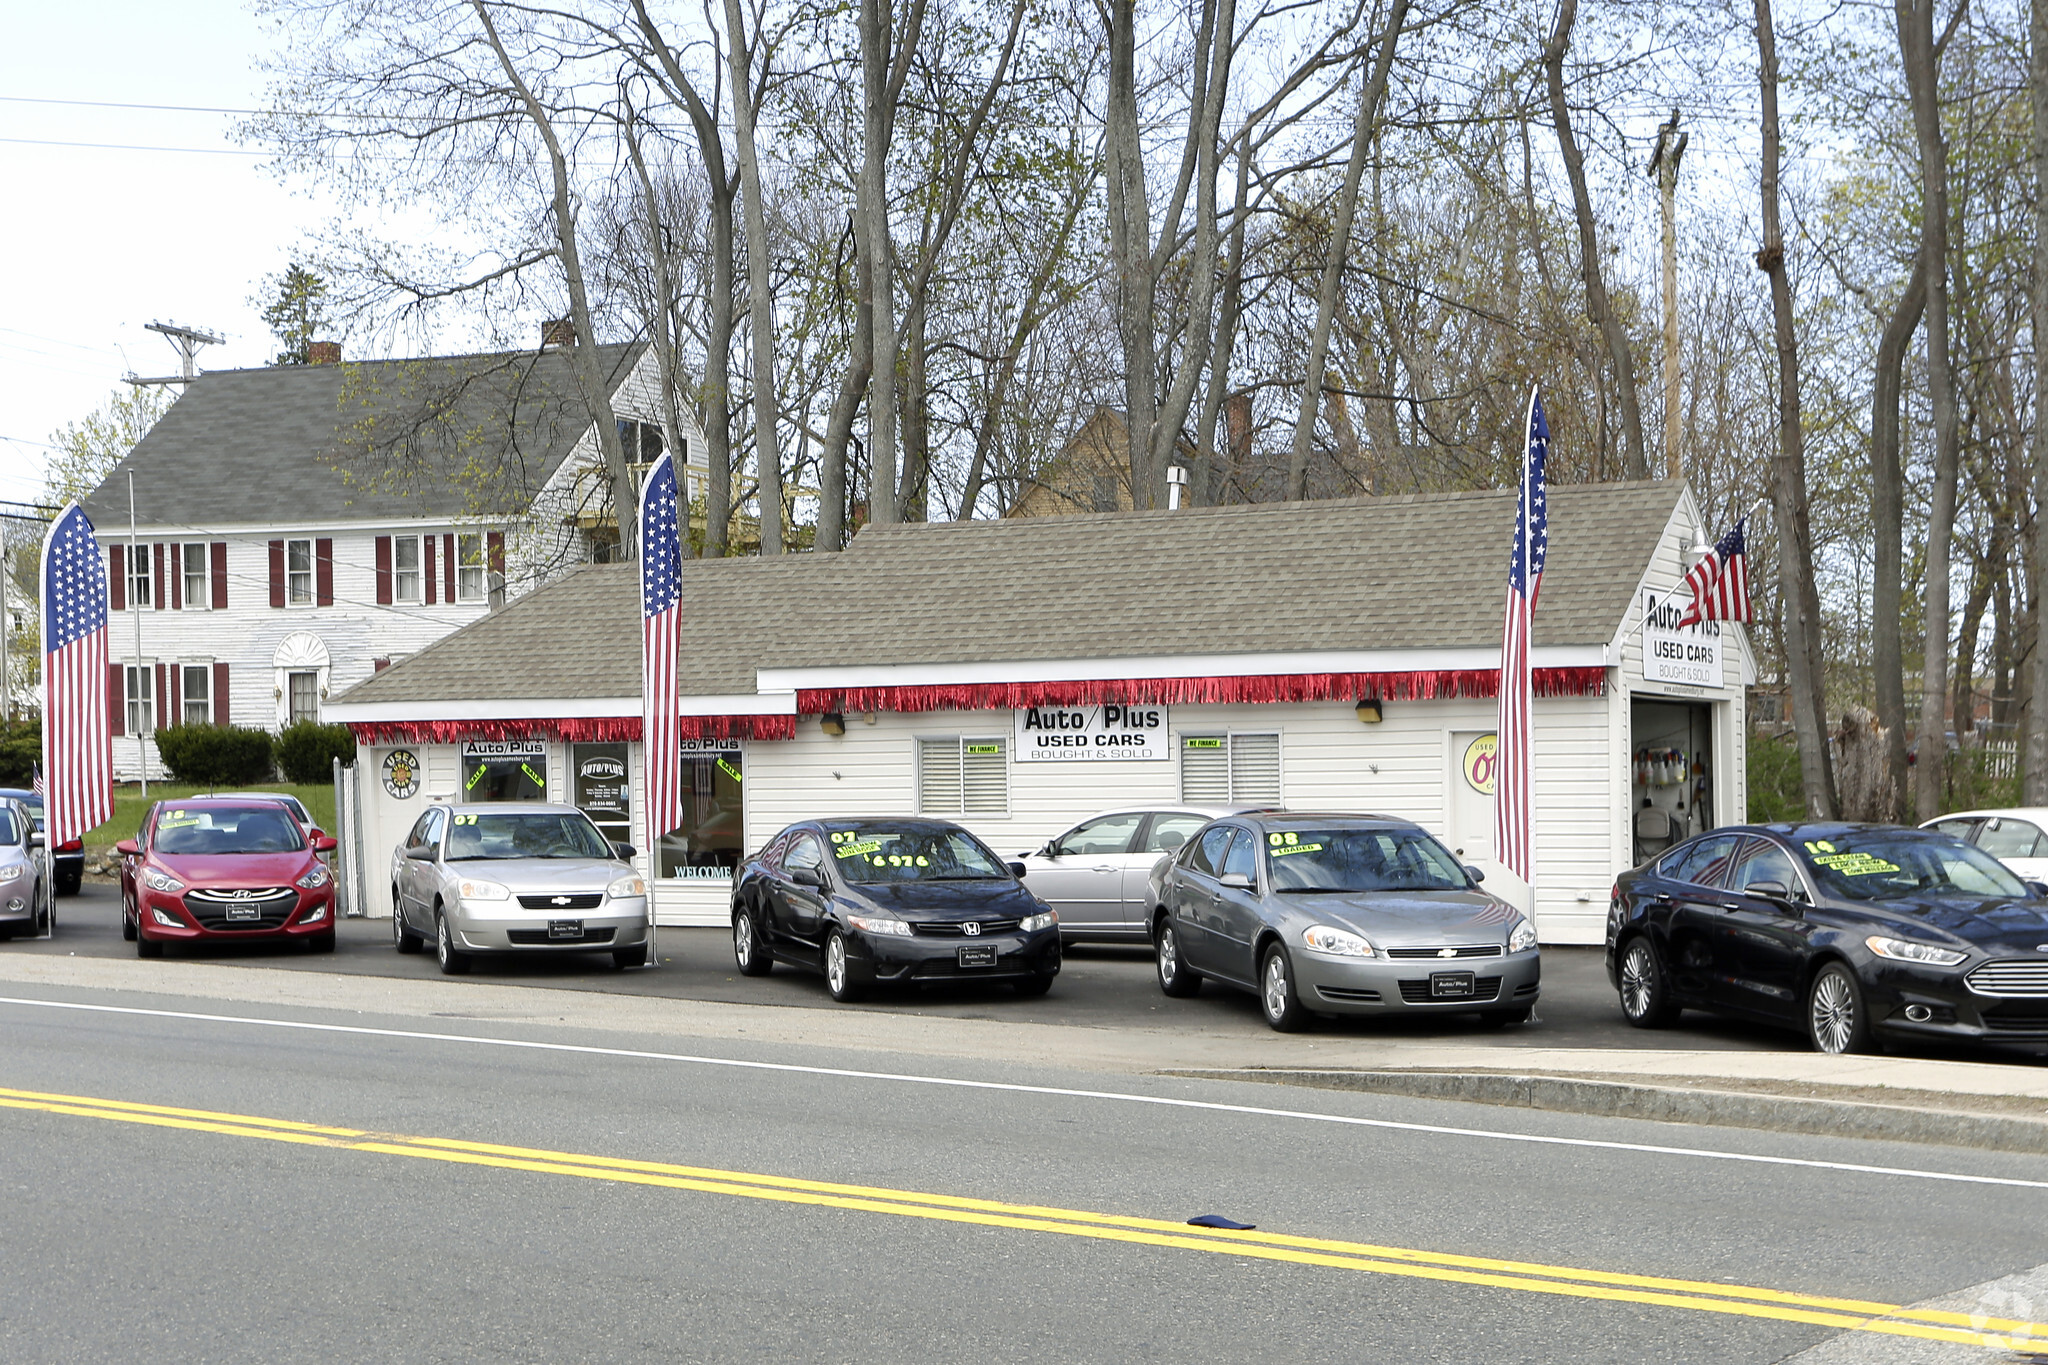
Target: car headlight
{"x":1522,"y":937}
{"x":315,"y":879}
{"x":11,"y":871}
{"x":161,"y":881}
{"x":1903,"y":950}
{"x":1031,"y":924}
{"x":627,"y":886}
{"x":870,"y":924}
{"x":1324,"y":938}
{"x":482,"y":891}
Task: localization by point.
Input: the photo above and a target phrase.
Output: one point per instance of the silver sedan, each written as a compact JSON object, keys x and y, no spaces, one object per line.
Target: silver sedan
{"x":505,"y":877}
{"x":21,"y":871}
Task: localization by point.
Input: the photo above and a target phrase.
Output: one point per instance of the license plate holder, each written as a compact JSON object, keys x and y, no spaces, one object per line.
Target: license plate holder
{"x":1452,"y":986}
{"x":565,"y":928}
{"x":245,"y":911}
{"x":980,"y":955}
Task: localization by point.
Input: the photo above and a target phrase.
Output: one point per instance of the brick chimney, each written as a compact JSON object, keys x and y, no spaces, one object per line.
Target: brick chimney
{"x":558,"y":332}
{"x":323,"y":353}
{"x":1237,"y":427}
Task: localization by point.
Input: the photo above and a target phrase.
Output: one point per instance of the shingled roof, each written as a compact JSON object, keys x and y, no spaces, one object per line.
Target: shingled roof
{"x":1389,"y":573}
{"x":270,"y":445}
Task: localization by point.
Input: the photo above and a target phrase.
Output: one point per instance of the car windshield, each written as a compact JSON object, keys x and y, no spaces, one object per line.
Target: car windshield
{"x":927,"y":854}
{"x":1885,"y":864}
{"x":524,"y":834}
{"x":1313,"y":860}
{"x":215,"y":830}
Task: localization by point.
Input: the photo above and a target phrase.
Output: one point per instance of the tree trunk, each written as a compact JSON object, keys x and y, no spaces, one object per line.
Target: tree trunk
{"x":1130,"y":249}
{"x":663,"y":329}
{"x":914,"y":485}
{"x":845,"y":406}
{"x":1803,"y":646}
{"x":1202,"y":478}
{"x":740,"y":61}
{"x":1635,"y":460}
{"x":2036,"y":780}
{"x":1887,"y":515}
{"x":883,"y":69}
{"x":1364,"y":133}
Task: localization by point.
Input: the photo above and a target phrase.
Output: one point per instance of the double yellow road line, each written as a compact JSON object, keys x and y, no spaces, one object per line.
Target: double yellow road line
{"x":1523,"y":1276}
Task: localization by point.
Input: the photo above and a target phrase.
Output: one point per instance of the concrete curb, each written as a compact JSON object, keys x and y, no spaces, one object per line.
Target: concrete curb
{"x":1661,"y":1104}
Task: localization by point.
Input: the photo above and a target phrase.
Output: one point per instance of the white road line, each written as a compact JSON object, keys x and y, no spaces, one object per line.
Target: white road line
{"x":1117,"y":1096}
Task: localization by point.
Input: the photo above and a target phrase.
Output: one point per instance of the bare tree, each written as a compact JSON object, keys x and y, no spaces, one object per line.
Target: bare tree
{"x":1887,"y":518}
{"x":743,"y":58}
{"x":2036,"y":768}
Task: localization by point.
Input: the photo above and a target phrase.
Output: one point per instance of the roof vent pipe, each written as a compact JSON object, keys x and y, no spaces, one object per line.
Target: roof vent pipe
{"x":1176,"y":484}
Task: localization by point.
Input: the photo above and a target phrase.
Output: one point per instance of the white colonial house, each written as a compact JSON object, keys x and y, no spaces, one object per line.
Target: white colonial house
{"x":293,"y":530}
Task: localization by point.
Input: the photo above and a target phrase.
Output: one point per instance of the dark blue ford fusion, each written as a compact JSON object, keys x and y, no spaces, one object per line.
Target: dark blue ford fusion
{"x":891,"y":901}
{"x":1850,"y":933}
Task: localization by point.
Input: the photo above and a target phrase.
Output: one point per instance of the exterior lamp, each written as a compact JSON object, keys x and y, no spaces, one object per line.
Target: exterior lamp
{"x":1369,"y":710}
{"x":833,"y":723}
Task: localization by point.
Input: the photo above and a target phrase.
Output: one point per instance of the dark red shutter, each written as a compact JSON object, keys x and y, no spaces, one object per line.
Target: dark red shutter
{"x":176,"y":715}
{"x":383,"y":571}
{"x":220,"y":694}
{"x":276,"y":573}
{"x":117,"y":697}
{"x":427,"y":578}
{"x":220,"y":575}
{"x":323,"y":573}
{"x":156,"y":698}
{"x":157,"y":564}
{"x":448,"y":564}
{"x":496,"y":540}
{"x":177,"y":577}
{"x":117,"y":579}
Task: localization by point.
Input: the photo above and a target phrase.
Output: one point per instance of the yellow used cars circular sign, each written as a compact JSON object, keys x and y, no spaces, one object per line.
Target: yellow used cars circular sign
{"x":1479,"y":762}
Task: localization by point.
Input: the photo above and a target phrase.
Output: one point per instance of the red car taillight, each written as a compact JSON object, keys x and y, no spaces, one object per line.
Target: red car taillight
{"x":71,"y":846}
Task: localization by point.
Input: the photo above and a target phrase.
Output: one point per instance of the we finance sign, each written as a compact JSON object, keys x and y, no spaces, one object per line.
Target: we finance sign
{"x":1109,"y":733}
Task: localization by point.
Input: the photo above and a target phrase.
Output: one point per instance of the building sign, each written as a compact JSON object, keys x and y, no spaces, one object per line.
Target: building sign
{"x":535,"y":749}
{"x":402,"y":773}
{"x":1691,"y":656}
{"x":1480,"y":764}
{"x":504,"y":770}
{"x":1092,"y":734}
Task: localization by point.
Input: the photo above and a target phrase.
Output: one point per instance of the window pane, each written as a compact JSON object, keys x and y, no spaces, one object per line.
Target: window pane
{"x":985,"y":777}
{"x":405,"y":563}
{"x":1204,"y":770}
{"x":1110,"y":834}
{"x":2008,"y":838}
{"x":1763,"y":861}
{"x":707,"y":842}
{"x":1243,"y":857}
{"x":141,"y":699}
{"x":1209,"y":852}
{"x":1169,"y":832}
{"x":305,"y":696}
{"x":299,"y":570}
{"x":196,"y":587}
{"x":198,"y":684}
{"x":138,"y":577}
{"x":1255,"y":769}
{"x":938,"y":776}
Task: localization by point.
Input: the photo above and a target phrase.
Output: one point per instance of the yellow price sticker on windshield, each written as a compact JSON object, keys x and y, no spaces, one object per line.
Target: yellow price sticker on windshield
{"x":855,"y":850}
{"x":1855,"y":864}
{"x":177,"y":819}
{"x":1286,"y":849}
{"x":899,"y":860}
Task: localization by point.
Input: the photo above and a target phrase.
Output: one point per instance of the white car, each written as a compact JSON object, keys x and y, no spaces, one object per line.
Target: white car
{"x":2017,"y":837}
{"x":1098,"y":874}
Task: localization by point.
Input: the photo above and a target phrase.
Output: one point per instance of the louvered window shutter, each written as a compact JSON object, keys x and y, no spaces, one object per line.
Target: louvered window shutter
{"x":117,"y":579}
{"x":1205,"y":770}
{"x":984,"y":777}
{"x":177,"y":576}
{"x":276,"y":573}
{"x":323,"y":572}
{"x":938,"y":776}
{"x":219,"y":554}
{"x":220,"y":694}
{"x":1255,"y":770}
{"x":383,"y":571}
{"x":157,"y":563}
{"x":117,"y":699}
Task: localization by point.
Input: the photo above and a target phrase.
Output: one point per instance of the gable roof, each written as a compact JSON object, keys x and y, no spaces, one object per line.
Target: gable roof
{"x":1390,"y":573}
{"x":271,"y":445}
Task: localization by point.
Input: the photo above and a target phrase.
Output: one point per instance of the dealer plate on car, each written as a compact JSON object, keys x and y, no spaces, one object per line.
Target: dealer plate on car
{"x":980,"y":955}
{"x":565,"y":928}
{"x":1451,"y":985}
{"x":245,"y":912}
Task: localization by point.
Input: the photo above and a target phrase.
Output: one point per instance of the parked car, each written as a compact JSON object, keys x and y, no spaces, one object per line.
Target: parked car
{"x":288,"y":801}
{"x":1850,"y":933}
{"x":1339,"y":914}
{"x":515,"y":877}
{"x":21,"y":870}
{"x":67,"y":860}
{"x":1098,"y":874}
{"x":891,"y":901}
{"x":221,"y":869}
{"x":2018,"y":838}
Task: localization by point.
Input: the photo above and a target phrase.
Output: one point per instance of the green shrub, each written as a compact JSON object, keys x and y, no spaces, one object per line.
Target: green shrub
{"x":215,"y":755}
{"x":1775,"y":787}
{"x":307,"y":750}
{"x":21,"y":748}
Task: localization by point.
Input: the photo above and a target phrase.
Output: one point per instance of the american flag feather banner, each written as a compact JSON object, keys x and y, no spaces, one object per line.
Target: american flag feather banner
{"x":1720,"y":582}
{"x":78,"y":745}
{"x":1513,"y":836}
{"x":661,"y":554}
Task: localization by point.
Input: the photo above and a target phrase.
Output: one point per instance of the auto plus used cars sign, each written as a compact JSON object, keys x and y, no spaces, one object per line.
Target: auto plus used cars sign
{"x":1690,"y":655}
{"x":1092,"y":734}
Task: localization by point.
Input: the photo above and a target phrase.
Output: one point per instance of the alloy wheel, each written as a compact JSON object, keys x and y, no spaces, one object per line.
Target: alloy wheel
{"x":743,"y":939}
{"x":1169,"y":955}
{"x":1275,"y":994}
{"x":1833,"y":1012}
{"x":835,"y":964}
{"x":1637,"y":979}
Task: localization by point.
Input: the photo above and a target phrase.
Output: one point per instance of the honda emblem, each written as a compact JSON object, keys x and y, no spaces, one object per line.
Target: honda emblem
{"x":971,"y":929}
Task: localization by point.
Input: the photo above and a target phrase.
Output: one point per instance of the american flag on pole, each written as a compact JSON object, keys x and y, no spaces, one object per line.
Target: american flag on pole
{"x":1513,"y":841}
{"x":1720,"y":582}
{"x":78,"y":747}
{"x":661,"y":554}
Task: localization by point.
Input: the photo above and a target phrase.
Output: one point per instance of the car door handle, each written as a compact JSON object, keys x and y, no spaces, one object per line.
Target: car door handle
{"x":1103,"y":869}
{"x":1731,"y":905}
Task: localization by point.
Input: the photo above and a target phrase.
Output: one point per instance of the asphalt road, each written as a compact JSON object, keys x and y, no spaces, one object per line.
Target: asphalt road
{"x":439,"y":1198}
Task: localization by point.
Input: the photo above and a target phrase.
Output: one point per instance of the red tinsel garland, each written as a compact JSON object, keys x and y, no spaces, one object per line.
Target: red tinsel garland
{"x":573,"y":729}
{"x":1426,"y":685}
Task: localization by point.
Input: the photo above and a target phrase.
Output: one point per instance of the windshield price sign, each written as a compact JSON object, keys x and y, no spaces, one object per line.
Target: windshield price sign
{"x":1692,"y":655}
{"x":1110,"y":733}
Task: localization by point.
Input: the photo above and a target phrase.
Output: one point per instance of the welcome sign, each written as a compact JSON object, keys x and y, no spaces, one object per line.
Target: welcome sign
{"x":1110,"y":733}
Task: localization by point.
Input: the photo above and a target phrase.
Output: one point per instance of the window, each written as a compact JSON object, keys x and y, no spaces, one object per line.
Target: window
{"x":302,"y":690}
{"x":405,"y":568}
{"x":1110,"y":834}
{"x":1105,"y":493}
{"x":138,"y":576}
{"x":1764,"y":861}
{"x":418,"y":837}
{"x":470,"y":583}
{"x":2004,"y":837}
{"x":141,"y":698}
{"x":1208,"y":851}
{"x":1703,"y":863}
{"x":1959,"y":828}
{"x":1243,"y":858}
{"x":198,"y":592}
{"x":298,"y":573}
{"x":505,"y":770}
{"x":963,"y":777}
{"x":707,"y":842}
{"x":1220,"y":770}
{"x":1169,"y":832}
{"x":805,"y":852}
{"x":198,"y":694}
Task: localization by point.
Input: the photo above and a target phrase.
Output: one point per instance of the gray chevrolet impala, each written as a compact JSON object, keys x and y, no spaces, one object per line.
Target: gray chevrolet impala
{"x":505,"y":877}
{"x":1338,"y":914}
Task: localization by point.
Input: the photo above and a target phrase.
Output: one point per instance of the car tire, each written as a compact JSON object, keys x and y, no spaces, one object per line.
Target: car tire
{"x":321,"y":943}
{"x":127,"y":924}
{"x":749,"y":951}
{"x":1031,"y":986}
{"x":1502,"y":1018}
{"x":453,"y":961}
{"x":68,"y":886}
{"x":624,"y":958}
{"x":147,"y":947}
{"x":1645,"y":986}
{"x":402,"y":938}
{"x":1176,"y":978}
{"x":1836,"y":1020}
{"x":838,"y":971}
{"x":1278,"y":999}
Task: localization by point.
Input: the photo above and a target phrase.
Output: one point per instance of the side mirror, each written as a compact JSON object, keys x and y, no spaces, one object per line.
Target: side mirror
{"x":625,"y":853}
{"x":128,"y":848}
{"x":324,"y":843}
{"x":1051,"y":849}
{"x":1017,"y":870}
{"x":1236,"y":881}
{"x":1767,"y":890}
{"x":315,"y":833}
{"x":35,"y":838}
{"x":423,"y":854}
{"x":808,"y":876}
{"x":1474,"y":873}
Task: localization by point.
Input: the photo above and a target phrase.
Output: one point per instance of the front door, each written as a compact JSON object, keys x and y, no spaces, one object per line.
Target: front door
{"x":1163,"y":838}
{"x":1194,"y":907}
{"x":1699,"y":930}
{"x":1238,"y":920}
{"x":1763,"y":951}
{"x":803,"y":907}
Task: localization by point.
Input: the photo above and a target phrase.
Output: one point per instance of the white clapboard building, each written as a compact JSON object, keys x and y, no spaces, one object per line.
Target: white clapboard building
{"x":1337,"y":655}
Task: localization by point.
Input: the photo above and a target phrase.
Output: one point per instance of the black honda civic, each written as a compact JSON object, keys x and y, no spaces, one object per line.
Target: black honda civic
{"x":1852,"y":933}
{"x":891,"y":901}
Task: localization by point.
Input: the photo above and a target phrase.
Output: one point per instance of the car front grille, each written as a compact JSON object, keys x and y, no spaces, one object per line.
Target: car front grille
{"x":541,"y":938}
{"x":2010,"y":978}
{"x":1484,"y":989}
{"x":1459,"y":950}
{"x":579,"y":900}
{"x":954,"y":929}
{"x":1349,"y":996}
{"x":273,"y":905}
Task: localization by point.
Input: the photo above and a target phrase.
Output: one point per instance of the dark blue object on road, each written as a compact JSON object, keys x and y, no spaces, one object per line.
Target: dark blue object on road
{"x":1217,"y":1220}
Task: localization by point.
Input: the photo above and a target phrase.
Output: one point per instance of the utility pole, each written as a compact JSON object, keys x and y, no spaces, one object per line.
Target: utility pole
{"x":187,"y":340}
{"x":1664,"y":166}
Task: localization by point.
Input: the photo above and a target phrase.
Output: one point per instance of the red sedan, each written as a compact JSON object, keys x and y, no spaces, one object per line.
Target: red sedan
{"x":216,"y":869}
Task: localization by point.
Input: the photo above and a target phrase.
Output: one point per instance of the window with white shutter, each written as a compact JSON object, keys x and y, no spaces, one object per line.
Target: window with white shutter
{"x":1230,"y":770}
{"x":963,"y":776}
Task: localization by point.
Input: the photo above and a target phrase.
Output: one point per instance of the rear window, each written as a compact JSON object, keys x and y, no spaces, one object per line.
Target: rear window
{"x":182,"y":831}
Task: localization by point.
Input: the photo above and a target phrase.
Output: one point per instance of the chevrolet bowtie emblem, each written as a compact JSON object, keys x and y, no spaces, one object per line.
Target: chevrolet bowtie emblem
{"x":971,"y":929}
{"x":1447,"y":952}
{"x":559,"y":900}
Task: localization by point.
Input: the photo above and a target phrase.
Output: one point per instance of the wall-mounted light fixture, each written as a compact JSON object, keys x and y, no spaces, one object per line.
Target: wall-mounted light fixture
{"x":1369,"y":710}
{"x":832,"y":723}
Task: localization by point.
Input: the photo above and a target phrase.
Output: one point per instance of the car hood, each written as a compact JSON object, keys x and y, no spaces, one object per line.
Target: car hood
{"x":536,"y":875}
{"x":1993,"y":923}
{"x":950,"y":900}
{"x":237,"y":869}
{"x":1411,"y":917}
